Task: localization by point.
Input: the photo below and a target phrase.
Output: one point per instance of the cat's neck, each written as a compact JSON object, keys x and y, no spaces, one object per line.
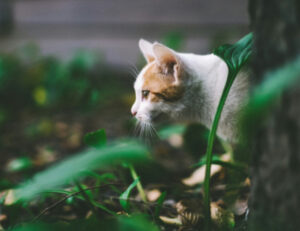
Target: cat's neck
{"x":206,"y":79}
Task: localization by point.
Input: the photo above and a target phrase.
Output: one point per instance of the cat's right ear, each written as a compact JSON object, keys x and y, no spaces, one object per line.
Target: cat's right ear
{"x":146,"y":49}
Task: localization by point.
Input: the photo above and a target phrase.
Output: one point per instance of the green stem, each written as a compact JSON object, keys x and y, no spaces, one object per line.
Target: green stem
{"x":139,"y":184}
{"x":211,"y":139}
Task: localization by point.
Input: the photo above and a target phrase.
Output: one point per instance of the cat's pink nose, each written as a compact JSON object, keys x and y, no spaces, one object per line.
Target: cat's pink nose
{"x":133,"y":113}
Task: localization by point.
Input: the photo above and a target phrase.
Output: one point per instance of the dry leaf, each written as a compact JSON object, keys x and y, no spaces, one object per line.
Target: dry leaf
{"x":171,"y":221}
{"x":10,"y":197}
{"x":198,"y":175}
{"x":176,"y":140}
{"x":153,"y":195}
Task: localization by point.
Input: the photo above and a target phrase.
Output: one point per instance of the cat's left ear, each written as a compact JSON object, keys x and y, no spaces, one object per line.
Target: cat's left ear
{"x":146,"y":49}
{"x":167,"y":59}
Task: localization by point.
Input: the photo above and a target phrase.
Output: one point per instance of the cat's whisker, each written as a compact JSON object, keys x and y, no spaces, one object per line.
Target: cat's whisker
{"x":133,"y":70}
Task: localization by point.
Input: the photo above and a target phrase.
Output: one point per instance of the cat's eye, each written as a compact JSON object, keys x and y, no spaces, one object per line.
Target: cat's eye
{"x":145,"y":93}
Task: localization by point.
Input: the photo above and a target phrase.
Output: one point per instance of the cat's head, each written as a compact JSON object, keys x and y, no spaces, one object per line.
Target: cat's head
{"x":159,"y":85}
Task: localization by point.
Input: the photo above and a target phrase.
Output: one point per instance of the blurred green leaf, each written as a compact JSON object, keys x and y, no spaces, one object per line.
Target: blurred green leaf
{"x":40,"y":95}
{"x":96,"y":139}
{"x":19,"y":164}
{"x":173,"y":40}
{"x":122,"y":223}
{"x":167,"y":131}
{"x":263,"y":96}
{"x":35,"y":227}
{"x":125,"y":195}
{"x":136,"y":223}
{"x":69,"y":169}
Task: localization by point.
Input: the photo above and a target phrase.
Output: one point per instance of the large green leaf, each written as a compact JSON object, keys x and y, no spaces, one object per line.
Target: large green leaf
{"x":68,"y":170}
{"x":235,"y":56}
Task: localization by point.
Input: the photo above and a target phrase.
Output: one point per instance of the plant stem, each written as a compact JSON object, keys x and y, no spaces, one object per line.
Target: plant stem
{"x":211,"y":138}
{"x":139,"y":184}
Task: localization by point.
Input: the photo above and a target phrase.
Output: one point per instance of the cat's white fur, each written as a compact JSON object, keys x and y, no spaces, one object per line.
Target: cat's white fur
{"x":204,"y":83}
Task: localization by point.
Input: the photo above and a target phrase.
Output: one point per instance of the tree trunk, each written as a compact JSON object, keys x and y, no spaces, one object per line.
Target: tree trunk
{"x":275,"y":193}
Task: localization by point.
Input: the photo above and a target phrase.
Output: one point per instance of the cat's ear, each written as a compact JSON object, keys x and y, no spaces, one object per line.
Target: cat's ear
{"x":167,"y":59}
{"x":146,"y":49}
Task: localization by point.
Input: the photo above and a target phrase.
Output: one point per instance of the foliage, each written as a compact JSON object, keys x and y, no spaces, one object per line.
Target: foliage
{"x":78,"y":181}
{"x":96,"y":139}
{"x":74,"y":167}
{"x":235,"y":57}
{"x":265,"y":95}
{"x":31,"y":82}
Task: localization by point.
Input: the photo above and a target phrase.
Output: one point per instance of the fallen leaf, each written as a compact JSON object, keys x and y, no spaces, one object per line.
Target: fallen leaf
{"x":176,"y":140}
{"x":10,"y":197}
{"x":153,"y":195}
{"x":198,"y":175}
{"x":171,"y":221}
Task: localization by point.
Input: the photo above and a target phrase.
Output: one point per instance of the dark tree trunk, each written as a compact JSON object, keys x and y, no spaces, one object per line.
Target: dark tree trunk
{"x":275,"y":195}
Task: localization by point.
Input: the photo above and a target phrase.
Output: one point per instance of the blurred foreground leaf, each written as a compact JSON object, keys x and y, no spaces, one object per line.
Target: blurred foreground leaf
{"x":66,"y":171}
{"x":168,"y":131}
{"x":263,"y":96}
{"x":122,"y":223}
{"x":136,"y":223}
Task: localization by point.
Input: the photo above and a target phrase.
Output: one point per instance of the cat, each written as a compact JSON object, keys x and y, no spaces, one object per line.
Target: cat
{"x":187,"y":87}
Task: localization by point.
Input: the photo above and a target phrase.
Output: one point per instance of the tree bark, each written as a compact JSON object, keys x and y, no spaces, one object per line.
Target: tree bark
{"x":275,"y":193}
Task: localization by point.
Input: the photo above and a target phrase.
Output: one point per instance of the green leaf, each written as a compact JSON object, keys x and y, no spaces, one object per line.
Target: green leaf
{"x":160,"y":201}
{"x":235,"y":56}
{"x":167,"y":131}
{"x":19,"y":164}
{"x":139,"y":184}
{"x":70,"y":169}
{"x":125,"y":195}
{"x":96,"y":139}
{"x":174,"y":40}
{"x":136,"y":223}
{"x":263,"y":96}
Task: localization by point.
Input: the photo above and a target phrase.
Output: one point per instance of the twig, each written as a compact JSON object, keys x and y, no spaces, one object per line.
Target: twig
{"x":68,"y":196}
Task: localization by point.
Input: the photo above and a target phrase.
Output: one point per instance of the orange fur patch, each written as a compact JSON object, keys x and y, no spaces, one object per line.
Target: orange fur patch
{"x":160,"y":85}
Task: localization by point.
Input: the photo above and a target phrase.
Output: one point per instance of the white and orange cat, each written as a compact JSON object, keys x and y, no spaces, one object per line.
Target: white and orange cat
{"x":186,"y":87}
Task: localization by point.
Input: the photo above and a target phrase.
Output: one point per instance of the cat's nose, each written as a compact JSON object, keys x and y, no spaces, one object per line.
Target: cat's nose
{"x":133,"y":112}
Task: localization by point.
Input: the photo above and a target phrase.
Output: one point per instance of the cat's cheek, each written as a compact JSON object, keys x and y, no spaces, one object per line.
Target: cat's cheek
{"x":144,"y":112}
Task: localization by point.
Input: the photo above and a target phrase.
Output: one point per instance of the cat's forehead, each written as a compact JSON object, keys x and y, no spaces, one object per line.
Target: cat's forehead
{"x":152,"y":79}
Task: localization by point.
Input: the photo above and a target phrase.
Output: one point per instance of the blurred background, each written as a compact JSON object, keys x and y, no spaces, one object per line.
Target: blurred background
{"x":60,"y":27}
{"x":67,"y":66}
